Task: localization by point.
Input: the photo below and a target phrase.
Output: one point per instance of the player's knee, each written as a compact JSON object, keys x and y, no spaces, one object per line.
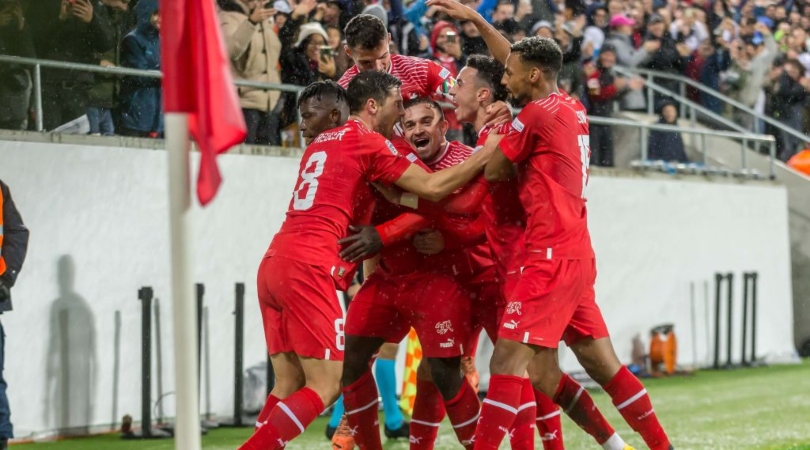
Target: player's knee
{"x":509,"y":358}
{"x":545,"y":379}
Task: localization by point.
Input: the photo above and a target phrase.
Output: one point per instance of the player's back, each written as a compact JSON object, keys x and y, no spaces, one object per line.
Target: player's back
{"x":420,"y":77}
{"x":332,"y":192}
{"x":549,"y":141}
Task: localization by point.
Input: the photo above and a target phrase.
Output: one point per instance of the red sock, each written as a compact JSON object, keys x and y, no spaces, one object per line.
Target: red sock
{"x":362,"y":411}
{"x":632,"y":401}
{"x":548,"y":422}
{"x":463,"y":411}
{"x":578,"y":404}
{"x":522,"y":435}
{"x":266,"y":409}
{"x":428,"y":412}
{"x":498,"y":412}
{"x":287,"y":420}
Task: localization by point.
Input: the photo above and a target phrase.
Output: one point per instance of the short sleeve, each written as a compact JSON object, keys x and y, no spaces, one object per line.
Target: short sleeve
{"x":439,"y":79}
{"x":521,"y":139}
{"x":384,"y":163}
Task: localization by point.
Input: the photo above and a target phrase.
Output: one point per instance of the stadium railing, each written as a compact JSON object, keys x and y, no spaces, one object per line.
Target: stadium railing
{"x":740,"y":134}
{"x":683,"y":82}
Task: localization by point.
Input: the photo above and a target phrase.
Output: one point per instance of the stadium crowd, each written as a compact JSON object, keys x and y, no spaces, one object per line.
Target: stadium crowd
{"x":755,"y":51}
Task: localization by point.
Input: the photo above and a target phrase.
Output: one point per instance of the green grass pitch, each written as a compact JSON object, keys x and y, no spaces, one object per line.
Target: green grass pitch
{"x":763,"y":408}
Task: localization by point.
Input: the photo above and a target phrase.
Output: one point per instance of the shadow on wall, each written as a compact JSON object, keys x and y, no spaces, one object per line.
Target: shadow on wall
{"x":72,"y":366}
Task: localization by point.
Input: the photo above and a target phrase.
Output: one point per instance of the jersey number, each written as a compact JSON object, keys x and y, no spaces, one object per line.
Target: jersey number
{"x":304,"y":196}
{"x":584,"y":142}
{"x":340,"y":336}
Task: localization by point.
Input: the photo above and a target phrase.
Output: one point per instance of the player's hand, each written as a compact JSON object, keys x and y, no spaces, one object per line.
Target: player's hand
{"x":454,"y":9}
{"x":365,"y":243}
{"x":429,"y":242}
{"x":498,"y":113}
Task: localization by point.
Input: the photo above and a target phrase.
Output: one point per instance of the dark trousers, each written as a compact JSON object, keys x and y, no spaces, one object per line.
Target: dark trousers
{"x":101,"y":121}
{"x":262,"y":127}
{"x":62,"y":103}
{"x":601,"y":141}
{"x":6,"y":429}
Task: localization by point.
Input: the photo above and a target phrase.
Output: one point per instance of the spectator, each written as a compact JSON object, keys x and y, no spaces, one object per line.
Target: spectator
{"x":594,"y":34}
{"x":711,"y":62}
{"x":81,"y":32}
{"x":543,"y":29}
{"x":688,"y":29}
{"x":670,"y":57}
{"x":524,"y":14}
{"x":13,"y":248}
{"x":254,"y":50}
{"x":15,"y":80}
{"x":666,"y":145}
{"x":570,"y":78}
{"x":103,"y":97}
{"x":336,"y":41}
{"x":760,"y":51}
{"x":604,"y":90}
{"x":141,"y":111}
{"x":620,"y":38}
{"x":447,"y":53}
{"x":788,"y":103}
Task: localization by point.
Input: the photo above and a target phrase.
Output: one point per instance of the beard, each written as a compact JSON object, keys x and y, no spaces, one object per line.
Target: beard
{"x":518,"y":101}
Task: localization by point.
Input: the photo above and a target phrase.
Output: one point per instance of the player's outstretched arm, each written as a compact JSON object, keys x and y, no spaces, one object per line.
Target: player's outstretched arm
{"x":438,"y":185}
{"x":497,"y":44}
{"x":499,"y":167}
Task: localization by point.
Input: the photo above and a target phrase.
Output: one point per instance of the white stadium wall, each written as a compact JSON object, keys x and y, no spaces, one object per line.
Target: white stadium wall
{"x":97,"y":215}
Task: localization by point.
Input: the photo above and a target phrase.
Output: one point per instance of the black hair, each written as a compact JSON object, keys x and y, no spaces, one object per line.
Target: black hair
{"x":425,"y":101}
{"x":368,"y":85}
{"x":365,"y":32}
{"x":321,"y":89}
{"x":541,"y":52}
{"x":490,"y":72}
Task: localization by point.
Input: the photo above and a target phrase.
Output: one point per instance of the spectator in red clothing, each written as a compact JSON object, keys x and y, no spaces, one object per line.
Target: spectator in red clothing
{"x":605,"y":88}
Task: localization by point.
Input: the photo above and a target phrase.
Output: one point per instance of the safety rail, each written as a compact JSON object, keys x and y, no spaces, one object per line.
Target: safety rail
{"x":743,"y":135}
{"x":684,"y":81}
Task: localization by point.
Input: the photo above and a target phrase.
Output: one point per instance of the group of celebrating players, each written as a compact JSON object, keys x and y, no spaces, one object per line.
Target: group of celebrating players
{"x":453,"y":240}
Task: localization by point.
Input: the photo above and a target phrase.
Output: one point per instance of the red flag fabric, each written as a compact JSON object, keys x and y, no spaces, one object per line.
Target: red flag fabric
{"x":197,"y":80}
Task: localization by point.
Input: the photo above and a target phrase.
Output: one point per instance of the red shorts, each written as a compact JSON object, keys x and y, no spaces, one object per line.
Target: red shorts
{"x":487,"y":309}
{"x":554,"y":300}
{"x":300,"y":309}
{"x":435,"y":305}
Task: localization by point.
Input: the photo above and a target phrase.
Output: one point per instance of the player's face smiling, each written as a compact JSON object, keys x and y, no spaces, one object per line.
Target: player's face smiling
{"x":516,"y":79}
{"x":424,"y":129}
{"x":316,"y":116}
{"x":465,"y":95}
{"x":377,"y":59}
{"x":389,"y":113}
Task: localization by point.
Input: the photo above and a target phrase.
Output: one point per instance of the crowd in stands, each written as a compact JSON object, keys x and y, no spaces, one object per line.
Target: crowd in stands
{"x":754,"y":51}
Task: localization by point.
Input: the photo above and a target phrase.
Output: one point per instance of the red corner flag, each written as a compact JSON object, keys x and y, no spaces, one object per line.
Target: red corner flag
{"x":197,"y":80}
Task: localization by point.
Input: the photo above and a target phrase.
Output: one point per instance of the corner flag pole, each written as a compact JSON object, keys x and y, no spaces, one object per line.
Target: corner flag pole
{"x":187,"y":421}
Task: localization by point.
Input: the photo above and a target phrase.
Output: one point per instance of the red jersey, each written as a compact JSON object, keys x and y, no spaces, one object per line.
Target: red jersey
{"x":505,"y":221}
{"x":332,"y":192}
{"x":420,"y":77}
{"x":471,"y":260}
{"x":548,"y":141}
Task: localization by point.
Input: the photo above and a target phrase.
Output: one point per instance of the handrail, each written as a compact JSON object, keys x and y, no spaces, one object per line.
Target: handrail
{"x":724,"y":98}
{"x":694,"y":106}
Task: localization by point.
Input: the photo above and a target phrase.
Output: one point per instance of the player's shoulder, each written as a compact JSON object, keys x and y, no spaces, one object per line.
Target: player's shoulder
{"x":347,"y":77}
{"x":405,"y":149}
{"x":405,"y":62}
{"x":460,"y":149}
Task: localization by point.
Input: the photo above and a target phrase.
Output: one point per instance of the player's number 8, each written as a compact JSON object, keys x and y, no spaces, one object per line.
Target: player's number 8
{"x":340,"y":338}
{"x":309,"y":181}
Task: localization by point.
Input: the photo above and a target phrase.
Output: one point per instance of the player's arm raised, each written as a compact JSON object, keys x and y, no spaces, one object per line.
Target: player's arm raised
{"x":497,"y":44}
{"x":438,"y":185}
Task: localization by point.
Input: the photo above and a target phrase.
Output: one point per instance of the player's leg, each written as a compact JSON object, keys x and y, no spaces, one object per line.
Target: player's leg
{"x":588,"y":338}
{"x":289,"y":379}
{"x":599,"y":359}
{"x":468,"y":358}
{"x":443,"y":328}
{"x":428,"y":410}
{"x":395,"y":424}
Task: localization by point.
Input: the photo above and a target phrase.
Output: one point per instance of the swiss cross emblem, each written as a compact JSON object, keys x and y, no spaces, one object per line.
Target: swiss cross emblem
{"x":444,"y":327}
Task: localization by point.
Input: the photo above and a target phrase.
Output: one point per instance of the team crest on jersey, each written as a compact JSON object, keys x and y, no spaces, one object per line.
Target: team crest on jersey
{"x":444,"y":327}
{"x":513,"y":308}
{"x":391,"y":147}
{"x":517,"y":125}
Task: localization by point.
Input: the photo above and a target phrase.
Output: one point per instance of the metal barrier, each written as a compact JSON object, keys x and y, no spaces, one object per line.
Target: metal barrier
{"x":39,"y":63}
{"x":743,"y":135}
{"x":684,"y":81}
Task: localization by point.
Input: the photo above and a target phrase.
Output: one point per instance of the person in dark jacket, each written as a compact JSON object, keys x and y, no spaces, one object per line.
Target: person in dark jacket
{"x":666,"y":145}
{"x":141,"y":111}
{"x":13,"y":247}
{"x":788,"y":96}
{"x":15,"y":80}
{"x":74,"y":32}
{"x":604,"y":90}
{"x":671,"y":57}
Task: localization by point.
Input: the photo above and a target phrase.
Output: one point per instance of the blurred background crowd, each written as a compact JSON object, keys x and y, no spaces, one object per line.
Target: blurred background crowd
{"x":754,"y":51}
